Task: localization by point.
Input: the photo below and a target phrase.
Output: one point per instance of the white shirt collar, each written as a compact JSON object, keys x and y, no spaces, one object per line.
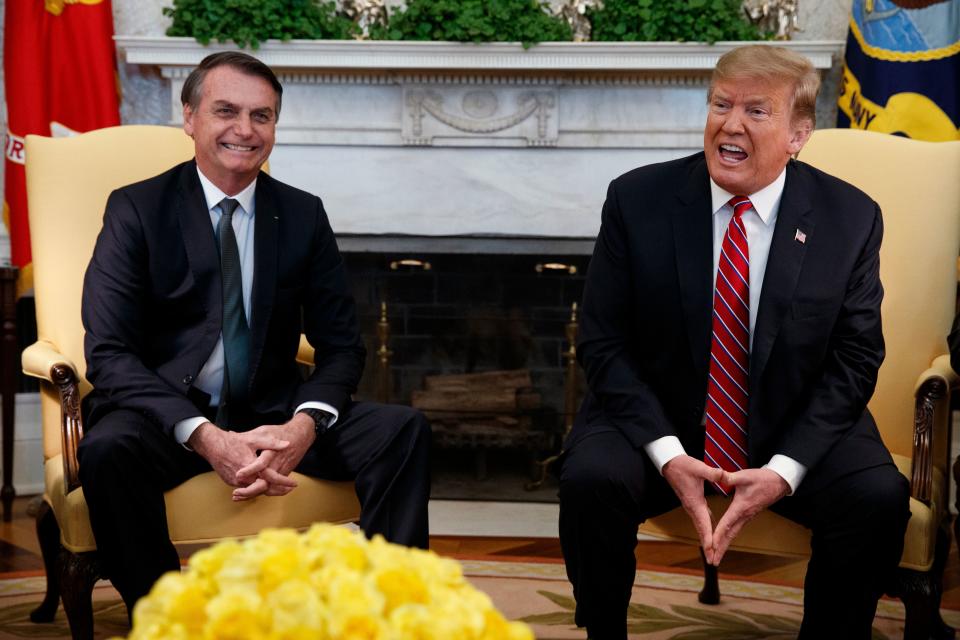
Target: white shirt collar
{"x":214,"y":195}
{"x":765,"y":202}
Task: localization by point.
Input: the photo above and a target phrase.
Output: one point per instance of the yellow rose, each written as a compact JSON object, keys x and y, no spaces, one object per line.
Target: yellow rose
{"x":178,"y":598}
{"x":235,"y":615}
{"x":206,"y":563}
{"x":358,"y":626}
{"x":278,"y":566}
{"x":335,"y":545}
{"x":296,"y":611}
{"x":351,"y":592}
{"x":400,"y":587}
{"x":497,"y":628}
{"x":413,"y":622}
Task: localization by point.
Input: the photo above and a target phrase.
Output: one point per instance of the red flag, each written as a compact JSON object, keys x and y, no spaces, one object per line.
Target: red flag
{"x":60,"y":78}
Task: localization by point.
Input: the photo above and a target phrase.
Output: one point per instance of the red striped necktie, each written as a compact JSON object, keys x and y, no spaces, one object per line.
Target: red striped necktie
{"x":727,"y":388}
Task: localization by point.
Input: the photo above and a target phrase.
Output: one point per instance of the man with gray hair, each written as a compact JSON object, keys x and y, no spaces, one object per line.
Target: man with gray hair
{"x":731,"y":340}
{"x":199,"y":286}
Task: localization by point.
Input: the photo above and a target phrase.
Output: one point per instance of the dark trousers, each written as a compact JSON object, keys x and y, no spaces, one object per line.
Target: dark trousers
{"x":127,"y":463}
{"x":607,"y":488}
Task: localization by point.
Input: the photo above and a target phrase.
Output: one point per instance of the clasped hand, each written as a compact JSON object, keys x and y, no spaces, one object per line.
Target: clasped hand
{"x":753,"y":491}
{"x":259,"y":461}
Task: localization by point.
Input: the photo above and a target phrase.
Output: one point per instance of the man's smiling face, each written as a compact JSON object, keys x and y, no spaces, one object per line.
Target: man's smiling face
{"x":233,"y":127}
{"x":751,"y":133}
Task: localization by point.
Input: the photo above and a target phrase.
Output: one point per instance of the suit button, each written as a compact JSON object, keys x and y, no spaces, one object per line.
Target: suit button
{"x":697,"y":413}
{"x":187,"y":379}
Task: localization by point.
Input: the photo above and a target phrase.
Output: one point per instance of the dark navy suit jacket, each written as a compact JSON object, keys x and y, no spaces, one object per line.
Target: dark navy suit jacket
{"x":817,"y":345}
{"x":152,"y":302}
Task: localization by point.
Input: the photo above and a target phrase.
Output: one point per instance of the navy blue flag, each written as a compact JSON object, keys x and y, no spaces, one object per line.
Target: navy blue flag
{"x":901,"y":74}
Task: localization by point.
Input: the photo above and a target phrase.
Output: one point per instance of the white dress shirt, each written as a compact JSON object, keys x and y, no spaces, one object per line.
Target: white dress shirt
{"x":760,"y":221}
{"x":210,"y":378}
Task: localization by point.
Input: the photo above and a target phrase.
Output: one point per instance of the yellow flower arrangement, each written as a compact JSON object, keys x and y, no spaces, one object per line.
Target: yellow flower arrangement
{"x":327,"y":583}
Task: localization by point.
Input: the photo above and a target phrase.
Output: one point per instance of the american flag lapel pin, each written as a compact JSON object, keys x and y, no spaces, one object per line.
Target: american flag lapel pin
{"x":800,"y":237}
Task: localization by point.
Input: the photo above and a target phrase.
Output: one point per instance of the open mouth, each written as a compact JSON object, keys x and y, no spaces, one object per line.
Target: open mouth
{"x":236,"y":147}
{"x":732,"y":153}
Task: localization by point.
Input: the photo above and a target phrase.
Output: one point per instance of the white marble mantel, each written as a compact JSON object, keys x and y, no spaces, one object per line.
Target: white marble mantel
{"x":434,"y":139}
{"x":506,"y":56}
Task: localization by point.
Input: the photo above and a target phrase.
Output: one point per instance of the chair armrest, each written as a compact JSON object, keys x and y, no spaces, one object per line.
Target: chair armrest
{"x":305,"y":353}
{"x":932,"y":386}
{"x":42,"y":360}
{"x":39,"y":359}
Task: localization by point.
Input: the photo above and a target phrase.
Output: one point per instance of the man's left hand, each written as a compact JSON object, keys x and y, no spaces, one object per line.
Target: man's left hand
{"x":262,"y":474}
{"x":753,"y":491}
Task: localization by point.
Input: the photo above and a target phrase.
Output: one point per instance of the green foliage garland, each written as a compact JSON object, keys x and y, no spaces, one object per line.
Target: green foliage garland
{"x":250,"y":22}
{"x":526,"y":21}
{"x":683,"y":21}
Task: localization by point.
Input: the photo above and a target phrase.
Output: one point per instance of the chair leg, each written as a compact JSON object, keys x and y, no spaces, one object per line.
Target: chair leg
{"x":921,"y":593}
{"x":79,"y":572}
{"x":48,"y":533}
{"x":710,"y":594}
{"x":921,"y":599}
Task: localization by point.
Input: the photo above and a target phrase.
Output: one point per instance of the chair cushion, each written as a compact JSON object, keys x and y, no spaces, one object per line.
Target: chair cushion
{"x":775,"y":535}
{"x":200,"y":509}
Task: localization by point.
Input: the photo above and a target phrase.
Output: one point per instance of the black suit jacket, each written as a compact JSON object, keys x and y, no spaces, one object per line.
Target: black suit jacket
{"x":646,"y":321}
{"x":152,"y":301}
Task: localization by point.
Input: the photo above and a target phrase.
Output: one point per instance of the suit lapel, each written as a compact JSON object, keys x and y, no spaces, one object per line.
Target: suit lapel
{"x":266,"y":254}
{"x":200,"y":244}
{"x":783,"y":270}
{"x":693,"y":240}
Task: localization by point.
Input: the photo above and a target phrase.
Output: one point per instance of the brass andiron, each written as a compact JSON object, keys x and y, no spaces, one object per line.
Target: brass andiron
{"x":384,"y":378}
{"x":569,"y":396}
{"x":570,"y":374}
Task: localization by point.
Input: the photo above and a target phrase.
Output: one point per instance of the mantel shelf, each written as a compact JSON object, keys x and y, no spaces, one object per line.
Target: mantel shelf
{"x":498,"y":56}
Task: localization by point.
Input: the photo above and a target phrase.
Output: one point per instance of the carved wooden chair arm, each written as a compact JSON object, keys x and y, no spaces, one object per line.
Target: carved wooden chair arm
{"x":932,"y":386}
{"x":305,"y":352}
{"x":42,"y":360}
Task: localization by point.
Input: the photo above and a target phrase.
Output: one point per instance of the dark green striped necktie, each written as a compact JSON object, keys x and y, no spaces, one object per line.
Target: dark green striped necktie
{"x":236,"y":332}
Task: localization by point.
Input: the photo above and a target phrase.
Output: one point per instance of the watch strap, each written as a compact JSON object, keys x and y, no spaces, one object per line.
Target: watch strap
{"x":321,"y":419}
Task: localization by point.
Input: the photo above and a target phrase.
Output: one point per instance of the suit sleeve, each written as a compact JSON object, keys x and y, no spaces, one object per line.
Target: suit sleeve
{"x":114,"y":294}
{"x":838,"y":398}
{"x":603,"y":348}
{"x":330,"y":324}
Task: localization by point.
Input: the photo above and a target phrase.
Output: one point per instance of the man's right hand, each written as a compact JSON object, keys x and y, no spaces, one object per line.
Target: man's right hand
{"x":686,"y":476}
{"x":228,"y":451}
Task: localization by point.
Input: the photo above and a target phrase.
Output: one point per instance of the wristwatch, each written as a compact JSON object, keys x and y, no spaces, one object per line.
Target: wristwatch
{"x":321,"y":419}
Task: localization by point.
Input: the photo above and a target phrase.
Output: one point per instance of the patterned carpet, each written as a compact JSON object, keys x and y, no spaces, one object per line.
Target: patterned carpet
{"x":664,"y":606}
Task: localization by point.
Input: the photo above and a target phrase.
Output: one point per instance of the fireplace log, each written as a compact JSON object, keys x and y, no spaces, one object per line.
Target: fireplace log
{"x":474,"y":403}
{"x":511,"y":379}
{"x":528,"y":400}
{"x":461,"y":404}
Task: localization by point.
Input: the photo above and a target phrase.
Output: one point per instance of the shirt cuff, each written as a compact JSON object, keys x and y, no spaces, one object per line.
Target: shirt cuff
{"x":663,"y":450}
{"x":323,"y":406}
{"x":788,"y":469}
{"x":185,"y":428}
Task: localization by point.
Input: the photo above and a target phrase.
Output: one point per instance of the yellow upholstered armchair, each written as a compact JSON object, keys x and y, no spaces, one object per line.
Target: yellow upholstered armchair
{"x":917,"y":185}
{"x":68,"y":181}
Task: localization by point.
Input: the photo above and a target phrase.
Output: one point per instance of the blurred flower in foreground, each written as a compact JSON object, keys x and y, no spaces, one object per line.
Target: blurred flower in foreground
{"x":327,"y":583}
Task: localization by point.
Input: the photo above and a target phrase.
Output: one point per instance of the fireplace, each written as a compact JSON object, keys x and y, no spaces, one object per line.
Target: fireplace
{"x":448,"y":314}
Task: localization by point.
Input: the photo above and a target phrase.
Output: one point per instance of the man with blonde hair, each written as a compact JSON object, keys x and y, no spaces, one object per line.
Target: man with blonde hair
{"x":731,"y":339}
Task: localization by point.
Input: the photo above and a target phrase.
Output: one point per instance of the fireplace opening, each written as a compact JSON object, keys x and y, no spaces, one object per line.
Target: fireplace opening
{"x":482,"y":344}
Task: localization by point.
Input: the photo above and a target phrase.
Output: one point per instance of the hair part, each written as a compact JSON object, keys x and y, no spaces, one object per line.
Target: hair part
{"x":773,"y":65}
{"x":192,"y":90}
